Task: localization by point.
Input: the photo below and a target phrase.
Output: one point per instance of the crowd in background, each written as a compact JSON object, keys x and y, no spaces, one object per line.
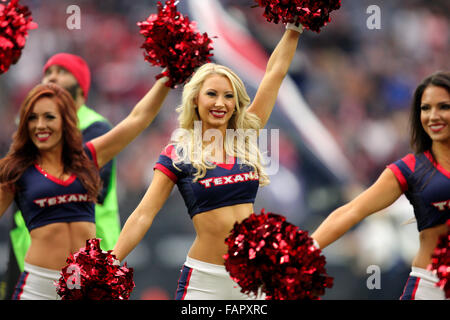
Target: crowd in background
{"x":357,"y":80}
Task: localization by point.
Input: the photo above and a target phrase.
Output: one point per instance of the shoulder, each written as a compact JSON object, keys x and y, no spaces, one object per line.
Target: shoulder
{"x":174,"y":152}
{"x":407,"y":163}
{"x":403,"y":169}
{"x":88,"y":116}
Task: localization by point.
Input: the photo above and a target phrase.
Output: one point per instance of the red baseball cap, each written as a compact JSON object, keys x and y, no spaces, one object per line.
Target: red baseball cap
{"x":76,"y":66}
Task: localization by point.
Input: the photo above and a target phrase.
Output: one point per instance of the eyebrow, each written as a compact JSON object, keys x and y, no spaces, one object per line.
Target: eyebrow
{"x":439,"y":103}
{"x":211,"y":89}
{"x":45,"y":113}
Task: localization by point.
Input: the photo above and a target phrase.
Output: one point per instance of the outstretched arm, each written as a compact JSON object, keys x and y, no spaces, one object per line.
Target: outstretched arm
{"x":111,"y":143}
{"x":276,"y":70}
{"x":142,"y":217}
{"x":379,"y":196}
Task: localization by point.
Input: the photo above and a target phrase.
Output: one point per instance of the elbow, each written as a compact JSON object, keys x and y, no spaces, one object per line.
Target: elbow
{"x":277,"y":73}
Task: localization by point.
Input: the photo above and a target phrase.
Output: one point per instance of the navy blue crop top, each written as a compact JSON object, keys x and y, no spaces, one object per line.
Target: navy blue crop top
{"x":227,"y":184}
{"x":44,"y":199}
{"x":426,"y":184}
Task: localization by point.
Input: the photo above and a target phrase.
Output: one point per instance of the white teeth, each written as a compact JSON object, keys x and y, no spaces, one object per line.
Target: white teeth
{"x":218,"y":113}
{"x":43,"y":135}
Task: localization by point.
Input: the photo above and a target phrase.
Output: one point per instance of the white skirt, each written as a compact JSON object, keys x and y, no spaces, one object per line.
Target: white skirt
{"x":37,"y":283}
{"x":421,"y":285}
{"x":206,"y":281}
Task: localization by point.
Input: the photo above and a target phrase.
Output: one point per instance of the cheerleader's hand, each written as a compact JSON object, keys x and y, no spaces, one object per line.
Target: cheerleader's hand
{"x":116,"y":262}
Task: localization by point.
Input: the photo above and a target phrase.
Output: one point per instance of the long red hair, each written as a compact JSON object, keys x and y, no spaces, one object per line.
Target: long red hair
{"x":23,"y":153}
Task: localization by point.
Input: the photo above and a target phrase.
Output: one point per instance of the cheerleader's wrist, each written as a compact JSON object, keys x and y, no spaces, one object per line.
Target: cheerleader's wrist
{"x":316,"y":244}
{"x":164,"y":79}
{"x":292,"y":26}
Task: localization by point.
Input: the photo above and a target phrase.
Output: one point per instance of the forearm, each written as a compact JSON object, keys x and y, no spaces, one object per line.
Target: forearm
{"x":336,"y":225}
{"x":113,"y":142}
{"x":132,"y":233}
{"x":277,"y":68}
{"x":284,"y":52}
{"x":148,"y":107}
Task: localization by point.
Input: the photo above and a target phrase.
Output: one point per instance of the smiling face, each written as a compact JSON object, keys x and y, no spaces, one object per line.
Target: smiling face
{"x":216,"y":102}
{"x":435,"y":113}
{"x":45,"y":125}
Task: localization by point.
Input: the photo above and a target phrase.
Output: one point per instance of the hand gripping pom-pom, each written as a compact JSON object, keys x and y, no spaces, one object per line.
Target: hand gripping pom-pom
{"x":312,"y":14}
{"x":15,"y":21}
{"x":172,"y":42}
{"x":268,"y":254}
{"x":440,"y":262}
{"x":94,"y":274}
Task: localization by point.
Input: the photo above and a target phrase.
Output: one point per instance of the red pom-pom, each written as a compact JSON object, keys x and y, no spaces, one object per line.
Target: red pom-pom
{"x":312,"y":14}
{"x":440,"y":262}
{"x":172,"y":42}
{"x":15,"y":21}
{"x":267,"y":253}
{"x":91,"y":274}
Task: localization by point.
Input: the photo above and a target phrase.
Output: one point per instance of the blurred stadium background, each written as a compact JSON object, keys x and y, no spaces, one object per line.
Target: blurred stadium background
{"x":342,"y":117}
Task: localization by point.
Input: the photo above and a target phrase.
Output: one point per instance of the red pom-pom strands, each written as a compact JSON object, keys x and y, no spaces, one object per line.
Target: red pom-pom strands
{"x":312,"y":14}
{"x":172,"y":42}
{"x":92,"y":274}
{"x":15,"y":21}
{"x":268,"y":254}
{"x":440,"y":262}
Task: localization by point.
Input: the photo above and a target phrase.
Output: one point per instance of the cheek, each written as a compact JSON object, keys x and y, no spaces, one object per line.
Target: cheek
{"x":423,"y":119}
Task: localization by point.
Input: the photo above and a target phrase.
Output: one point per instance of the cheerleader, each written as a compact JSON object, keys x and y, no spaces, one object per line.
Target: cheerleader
{"x":54,"y":178}
{"x":424,"y":178}
{"x":218,"y":179}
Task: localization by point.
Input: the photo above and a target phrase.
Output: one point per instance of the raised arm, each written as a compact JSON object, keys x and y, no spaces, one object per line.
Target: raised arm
{"x":110,"y":144}
{"x":142,"y":217}
{"x":379,"y":196}
{"x":276,"y":70}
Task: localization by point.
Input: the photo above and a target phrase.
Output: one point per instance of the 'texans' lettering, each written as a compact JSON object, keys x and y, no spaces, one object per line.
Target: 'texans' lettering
{"x":66,"y":198}
{"x":443,"y":205}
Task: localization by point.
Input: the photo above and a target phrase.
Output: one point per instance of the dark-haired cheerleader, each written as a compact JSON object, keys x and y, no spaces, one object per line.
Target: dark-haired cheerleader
{"x":424,"y":178}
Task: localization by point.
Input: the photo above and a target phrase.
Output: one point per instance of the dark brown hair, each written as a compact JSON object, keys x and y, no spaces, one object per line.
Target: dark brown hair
{"x":420,"y":140}
{"x":23,"y":153}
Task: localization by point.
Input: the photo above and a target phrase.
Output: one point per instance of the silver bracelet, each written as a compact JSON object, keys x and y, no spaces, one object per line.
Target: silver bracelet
{"x":292,"y":26}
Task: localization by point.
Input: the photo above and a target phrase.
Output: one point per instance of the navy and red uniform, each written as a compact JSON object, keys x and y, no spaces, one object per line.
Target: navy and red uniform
{"x":44,"y":199}
{"x":426,"y":184}
{"x":225,"y":185}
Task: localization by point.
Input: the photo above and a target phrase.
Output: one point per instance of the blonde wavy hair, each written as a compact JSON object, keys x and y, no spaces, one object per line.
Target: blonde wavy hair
{"x":188,"y":145}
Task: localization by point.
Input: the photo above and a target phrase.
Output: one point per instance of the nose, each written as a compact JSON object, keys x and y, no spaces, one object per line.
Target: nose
{"x":435,"y":114}
{"x":41,"y":124}
{"x":220,"y":102}
{"x":51,"y":76}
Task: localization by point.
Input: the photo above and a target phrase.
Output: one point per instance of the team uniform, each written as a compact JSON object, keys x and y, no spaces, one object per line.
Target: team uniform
{"x":426,"y":184}
{"x":228,"y":184}
{"x":91,"y":125}
{"x":44,"y":199}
